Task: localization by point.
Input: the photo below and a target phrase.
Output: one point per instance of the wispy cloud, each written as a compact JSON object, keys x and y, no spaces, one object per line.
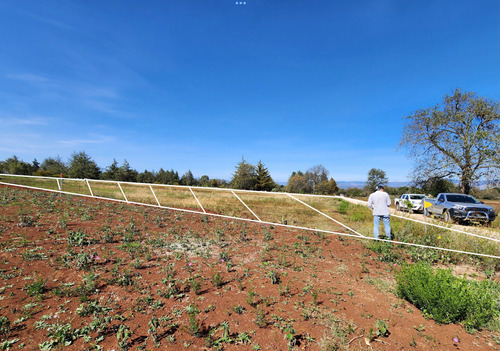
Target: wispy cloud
{"x":50,"y":21}
{"x":98,"y":92}
{"x":93,"y":139}
{"x":31,"y":78}
{"x":25,"y":121}
{"x":21,"y":142}
{"x":96,"y":97}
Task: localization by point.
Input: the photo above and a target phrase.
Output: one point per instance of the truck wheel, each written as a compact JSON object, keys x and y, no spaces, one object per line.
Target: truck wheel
{"x":397,"y":206}
{"x":447,"y":217}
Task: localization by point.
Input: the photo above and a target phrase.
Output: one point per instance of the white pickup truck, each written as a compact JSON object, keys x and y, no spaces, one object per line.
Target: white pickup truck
{"x":410,"y":202}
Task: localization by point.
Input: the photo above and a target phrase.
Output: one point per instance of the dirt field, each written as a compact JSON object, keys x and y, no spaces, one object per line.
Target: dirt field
{"x":86,"y":274}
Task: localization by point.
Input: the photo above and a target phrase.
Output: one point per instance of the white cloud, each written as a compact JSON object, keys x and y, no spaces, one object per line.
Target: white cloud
{"x":50,"y":21}
{"x":31,"y":78}
{"x":94,"y":139}
{"x":25,"y":121}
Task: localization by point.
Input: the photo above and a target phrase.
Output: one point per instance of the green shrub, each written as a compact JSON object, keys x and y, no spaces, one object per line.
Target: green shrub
{"x":343,"y":207}
{"x":446,"y":298}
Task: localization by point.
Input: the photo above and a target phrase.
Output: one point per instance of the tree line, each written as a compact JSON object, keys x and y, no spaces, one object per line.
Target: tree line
{"x":246,"y":176}
{"x":81,"y":165}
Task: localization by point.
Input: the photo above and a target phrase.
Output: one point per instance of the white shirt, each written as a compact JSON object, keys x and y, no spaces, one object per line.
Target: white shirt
{"x":379,"y":201}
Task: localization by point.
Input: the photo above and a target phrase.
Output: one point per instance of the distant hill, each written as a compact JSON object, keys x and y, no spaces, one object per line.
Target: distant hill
{"x":345,"y":184}
{"x":360,"y":184}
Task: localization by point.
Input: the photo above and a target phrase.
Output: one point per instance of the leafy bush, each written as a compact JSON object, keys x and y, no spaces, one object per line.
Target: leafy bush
{"x":446,"y":298}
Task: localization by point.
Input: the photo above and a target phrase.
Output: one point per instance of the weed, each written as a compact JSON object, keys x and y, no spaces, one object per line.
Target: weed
{"x":137,"y":263}
{"x":195,"y":285}
{"x":108,"y":236}
{"x":153,"y":325}
{"x":123,"y":336}
{"x":92,"y":308}
{"x":78,"y":238}
{"x":413,"y":343}
{"x":124,"y":279}
{"x":194,"y":326}
{"x":267,"y":235}
{"x":239,"y":309}
{"x":380,"y":329}
{"x":275,"y":278}
{"x":7,"y":344}
{"x":59,"y":335}
{"x":34,"y":255}
{"x":216,"y":279}
{"x":37,"y":288}
{"x":252,"y":298}
{"x":314,"y":294}
{"x":243,"y":233}
{"x":26,"y":221}
{"x":243,"y":338}
{"x":63,"y":222}
{"x":260,"y":319}
{"x":285,"y":290}
{"x":386,"y":251}
{"x":4,"y":327}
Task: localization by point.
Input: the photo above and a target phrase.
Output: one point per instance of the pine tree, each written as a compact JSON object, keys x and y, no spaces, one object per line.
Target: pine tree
{"x":244,"y":177}
{"x":264,"y":182}
{"x":126,"y":173}
{"x":81,"y":165}
{"x":188,"y":179}
{"x":111,"y":171}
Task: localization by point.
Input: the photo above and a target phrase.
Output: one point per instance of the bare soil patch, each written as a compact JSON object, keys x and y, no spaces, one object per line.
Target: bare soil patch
{"x":84,"y":274}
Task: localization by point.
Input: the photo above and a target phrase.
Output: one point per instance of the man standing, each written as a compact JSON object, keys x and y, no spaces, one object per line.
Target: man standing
{"x":379,"y":202}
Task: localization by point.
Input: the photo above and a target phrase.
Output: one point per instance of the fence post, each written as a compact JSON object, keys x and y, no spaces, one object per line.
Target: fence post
{"x":197,"y":200}
{"x":122,"y":191}
{"x":150,"y":187}
{"x":88,"y":184}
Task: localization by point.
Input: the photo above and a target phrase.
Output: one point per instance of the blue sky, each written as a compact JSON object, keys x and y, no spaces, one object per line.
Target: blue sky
{"x":199,"y":84}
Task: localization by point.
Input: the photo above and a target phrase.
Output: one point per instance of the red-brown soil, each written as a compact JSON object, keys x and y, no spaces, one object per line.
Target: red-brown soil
{"x":278,"y":288}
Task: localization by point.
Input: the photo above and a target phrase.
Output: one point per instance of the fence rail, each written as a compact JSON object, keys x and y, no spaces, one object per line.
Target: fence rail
{"x":266,"y":207}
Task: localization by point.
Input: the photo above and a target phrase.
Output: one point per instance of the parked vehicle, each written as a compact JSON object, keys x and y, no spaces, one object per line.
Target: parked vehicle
{"x":459,"y":207}
{"x":410,"y":202}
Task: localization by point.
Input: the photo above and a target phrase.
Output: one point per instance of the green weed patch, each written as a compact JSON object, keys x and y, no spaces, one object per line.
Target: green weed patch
{"x":449,"y":299}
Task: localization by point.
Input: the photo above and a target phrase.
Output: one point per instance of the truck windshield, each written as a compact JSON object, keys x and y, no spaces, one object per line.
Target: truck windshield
{"x":417,"y":197}
{"x":462,"y":198}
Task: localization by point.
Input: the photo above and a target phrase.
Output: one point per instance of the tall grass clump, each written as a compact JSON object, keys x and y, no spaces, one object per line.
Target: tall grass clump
{"x":416,"y":233}
{"x":449,"y":299}
{"x":343,"y":207}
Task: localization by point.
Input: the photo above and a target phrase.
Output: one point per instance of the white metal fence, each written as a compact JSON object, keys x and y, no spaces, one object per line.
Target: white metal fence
{"x":57,"y":185}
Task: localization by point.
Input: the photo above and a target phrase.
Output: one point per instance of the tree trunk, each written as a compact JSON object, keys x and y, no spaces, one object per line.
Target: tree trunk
{"x":465,"y":186}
